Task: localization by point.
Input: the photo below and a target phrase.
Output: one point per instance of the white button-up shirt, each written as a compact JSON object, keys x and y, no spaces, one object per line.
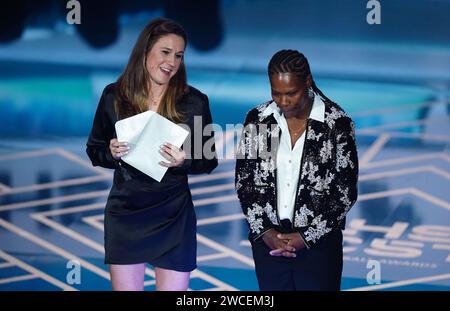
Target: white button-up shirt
{"x":289,"y":159}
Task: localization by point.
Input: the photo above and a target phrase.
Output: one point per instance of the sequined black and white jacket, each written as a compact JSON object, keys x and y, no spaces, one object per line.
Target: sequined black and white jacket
{"x":327,"y":186}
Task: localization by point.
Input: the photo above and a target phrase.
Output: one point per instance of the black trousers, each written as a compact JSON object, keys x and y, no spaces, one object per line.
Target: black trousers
{"x":317,"y":268}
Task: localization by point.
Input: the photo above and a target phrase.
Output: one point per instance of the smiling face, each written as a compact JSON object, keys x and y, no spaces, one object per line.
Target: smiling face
{"x":289,"y":93}
{"x":164,"y":58}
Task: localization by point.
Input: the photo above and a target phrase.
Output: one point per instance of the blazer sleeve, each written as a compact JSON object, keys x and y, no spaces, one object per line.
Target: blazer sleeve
{"x":343,"y":190}
{"x":97,"y":146}
{"x":246,"y":162}
{"x":200,"y":162}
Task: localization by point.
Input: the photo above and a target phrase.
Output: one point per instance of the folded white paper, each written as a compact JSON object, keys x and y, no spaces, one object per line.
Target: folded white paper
{"x":145,"y":133}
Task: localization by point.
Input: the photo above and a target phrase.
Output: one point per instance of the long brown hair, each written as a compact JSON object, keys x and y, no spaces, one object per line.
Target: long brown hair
{"x":133,"y":83}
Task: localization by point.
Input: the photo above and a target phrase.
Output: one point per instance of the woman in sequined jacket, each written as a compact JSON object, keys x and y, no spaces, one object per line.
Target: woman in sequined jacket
{"x":296,"y":179}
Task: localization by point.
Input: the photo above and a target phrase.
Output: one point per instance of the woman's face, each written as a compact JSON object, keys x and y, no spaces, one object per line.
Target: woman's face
{"x":289,"y":93}
{"x":164,"y":58}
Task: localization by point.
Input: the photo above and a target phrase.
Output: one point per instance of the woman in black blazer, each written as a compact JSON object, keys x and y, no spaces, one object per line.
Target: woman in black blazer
{"x":148,"y":221}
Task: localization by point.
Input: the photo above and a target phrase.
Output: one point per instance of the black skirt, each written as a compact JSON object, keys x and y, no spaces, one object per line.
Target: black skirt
{"x":148,"y":225}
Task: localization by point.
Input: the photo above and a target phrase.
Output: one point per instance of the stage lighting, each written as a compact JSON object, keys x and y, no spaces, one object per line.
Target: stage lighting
{"x":12,"y":20}
{"x":201,"y":19}
{"x":99,"y":22}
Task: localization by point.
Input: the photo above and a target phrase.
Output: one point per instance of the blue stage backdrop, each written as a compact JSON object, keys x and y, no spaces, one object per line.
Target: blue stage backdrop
{"x":392,"y":77}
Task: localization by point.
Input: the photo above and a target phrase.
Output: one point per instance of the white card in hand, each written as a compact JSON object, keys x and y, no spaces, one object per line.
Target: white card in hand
{"x":145,"y":133}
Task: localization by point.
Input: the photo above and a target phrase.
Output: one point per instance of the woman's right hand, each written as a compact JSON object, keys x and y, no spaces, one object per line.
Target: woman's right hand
{"x":278,"y":247}
{"x":118,"y":149}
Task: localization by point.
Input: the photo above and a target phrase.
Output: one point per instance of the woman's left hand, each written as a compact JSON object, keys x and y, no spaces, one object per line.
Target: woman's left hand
{"x":173,"y":154}
{"x":293,"y":240}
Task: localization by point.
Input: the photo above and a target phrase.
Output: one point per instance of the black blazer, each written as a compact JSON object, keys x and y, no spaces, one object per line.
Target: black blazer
{"x":328,"y":174}
{"x":194,"y":103}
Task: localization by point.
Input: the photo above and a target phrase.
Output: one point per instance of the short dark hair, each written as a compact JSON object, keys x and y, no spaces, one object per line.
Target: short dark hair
{"x":292,"y":61}
{"x":289,"y":61}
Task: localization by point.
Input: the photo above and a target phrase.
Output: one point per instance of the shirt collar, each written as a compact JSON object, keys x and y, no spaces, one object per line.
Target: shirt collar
{"x":317,"y":111}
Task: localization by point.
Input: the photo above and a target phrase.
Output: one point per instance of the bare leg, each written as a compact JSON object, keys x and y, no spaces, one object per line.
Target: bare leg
{"x":170,"y":280}
{"x":127,"y":277}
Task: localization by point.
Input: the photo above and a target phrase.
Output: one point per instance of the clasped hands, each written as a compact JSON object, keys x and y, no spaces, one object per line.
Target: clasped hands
{"x":283,"y":244}
{"x":171,"y":153}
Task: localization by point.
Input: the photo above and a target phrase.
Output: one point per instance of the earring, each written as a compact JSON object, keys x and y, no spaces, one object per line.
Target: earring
{"x":310,"y":92}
